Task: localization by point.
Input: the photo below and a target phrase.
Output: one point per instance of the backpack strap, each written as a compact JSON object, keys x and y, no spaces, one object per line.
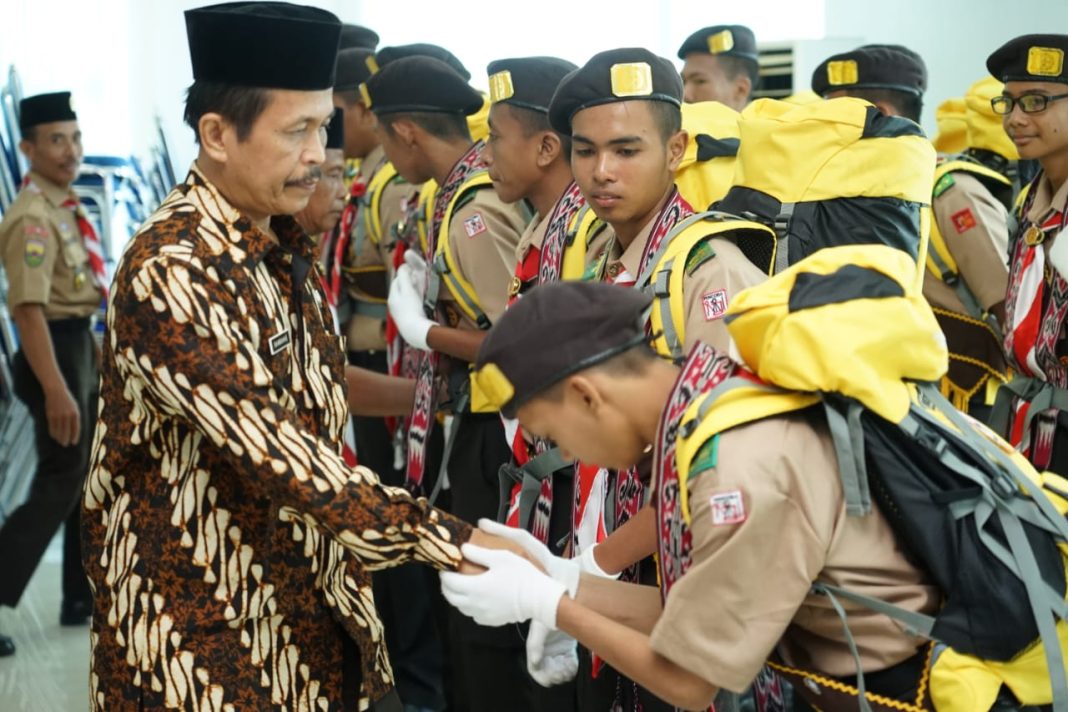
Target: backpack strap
{"x":782,"y":229}
{"x":445,"y":267}
{"x":529,"y":476}
{"x":847,"y":434}
{"x":373,"y":215}
{"x":585,"y":226}
{"x":1040,"y":395}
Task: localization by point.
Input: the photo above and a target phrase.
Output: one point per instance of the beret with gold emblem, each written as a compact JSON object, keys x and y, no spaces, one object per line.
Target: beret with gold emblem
{"x":616,"y":75}
{"x":46,"y":108}
{"x":727,"y":40}
{"x":419,"y":84}
{"x":358,"y":36}
{"x":555,"y":331}
{"x":421,"y":49}
{"x":1031,"y":58}
{"x":872,"y":67}
{"x":354,"y":66}
{"x":527,"y":82}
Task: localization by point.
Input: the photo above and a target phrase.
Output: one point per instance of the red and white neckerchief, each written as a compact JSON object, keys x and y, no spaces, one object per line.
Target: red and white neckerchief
{"x":1036,"y":308}
{"x":336,"y":251}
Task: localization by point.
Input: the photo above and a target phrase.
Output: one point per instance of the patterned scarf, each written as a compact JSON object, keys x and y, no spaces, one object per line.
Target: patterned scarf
{"x":422,"y":417}
{"x":340,"y":243}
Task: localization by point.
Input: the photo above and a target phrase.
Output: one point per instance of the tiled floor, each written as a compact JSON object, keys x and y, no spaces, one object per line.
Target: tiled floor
{"x":50,"y":670}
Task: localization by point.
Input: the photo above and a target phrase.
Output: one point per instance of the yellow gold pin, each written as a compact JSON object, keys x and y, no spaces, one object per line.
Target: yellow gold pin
{"x":843,"y":72}
{"x":365,"y":95}
{"x":721,"y":42}
{"x":1034,"y":236}
{"x":501,"y":87}
{"x":632,"y":79}
{"x":1045,"y":61}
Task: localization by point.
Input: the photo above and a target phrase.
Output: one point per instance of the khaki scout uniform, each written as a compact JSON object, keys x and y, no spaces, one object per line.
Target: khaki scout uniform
{"x":793,"y":530}
{"x":46,"y":263}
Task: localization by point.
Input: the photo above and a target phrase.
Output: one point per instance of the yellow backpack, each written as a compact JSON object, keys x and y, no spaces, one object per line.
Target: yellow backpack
{"x":847,"y":330}
{"x":707,"y":167}
{"x":952,"y":136}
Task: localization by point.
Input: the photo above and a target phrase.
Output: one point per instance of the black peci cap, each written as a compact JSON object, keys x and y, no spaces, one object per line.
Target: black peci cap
{"x":354,"y":67}
{"x":45,"y":108}
{"x":335,"y":130}
{"x":557,"y":330}
{"x":358,"y":36}
{"x":1031,"y":58}
{"x":616,"y":75}
{"x":526,"y":82}
{"x":421,"y":49}
{"x":419,"y":84}
{"x":272,"y":45}
{"x":727,"y":40}
{"x":872,"y":67}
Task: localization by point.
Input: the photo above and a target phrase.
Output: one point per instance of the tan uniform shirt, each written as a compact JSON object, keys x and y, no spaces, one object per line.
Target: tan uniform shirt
{"x":747,"y":590}
{"x":532,"y":238}
{"x":975,"y":227}
{"x":1044,"y":201}
{"x":44,"y":254}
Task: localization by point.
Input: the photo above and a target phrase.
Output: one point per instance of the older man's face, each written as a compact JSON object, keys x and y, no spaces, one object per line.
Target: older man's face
{"x":326,"y":203}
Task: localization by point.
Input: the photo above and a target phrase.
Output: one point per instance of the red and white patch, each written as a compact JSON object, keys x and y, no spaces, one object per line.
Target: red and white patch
{"x":963,"y":220}
{"x":728,"y":507}
{"x":715,"y":304}
{"x":474,"y":225}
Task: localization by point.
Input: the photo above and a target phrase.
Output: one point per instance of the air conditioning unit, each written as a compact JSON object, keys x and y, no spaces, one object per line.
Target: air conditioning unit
{"x":786,"y":67}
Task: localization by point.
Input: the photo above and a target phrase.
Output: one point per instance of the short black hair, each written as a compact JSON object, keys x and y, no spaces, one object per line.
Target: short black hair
{"x":667,"y":116}
{"x":534,"y":122}
{"x":239,"y":105}
{"x":905,"y":103}
{"x":440,"y":125}
{"x":733,"y":66}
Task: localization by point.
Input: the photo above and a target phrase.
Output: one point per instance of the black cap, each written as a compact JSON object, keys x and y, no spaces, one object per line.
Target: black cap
{"x":46,"y":108}
{"x":1031,"y":58}
{"x":419,"y":84}
{"x":526,"y":82}
{"x":354,"y":67}
{"x":422,"y":49}
{"x":557,"y":330}
{"x":335,"y":130}
{"x":872,"y":67}
{"x":728,"y":40}
{"x":358,"y":36}
{"x":616,"y":75}
{"x":273,"y":45}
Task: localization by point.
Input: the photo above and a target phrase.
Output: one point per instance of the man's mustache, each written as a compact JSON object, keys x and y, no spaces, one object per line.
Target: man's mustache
{"x":313,"y":174}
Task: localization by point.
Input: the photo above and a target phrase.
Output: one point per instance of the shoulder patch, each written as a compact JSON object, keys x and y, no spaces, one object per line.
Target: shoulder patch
{"x":714,"y":304}
{"x":702,"y":252}
{"x":34,"y":251}
{"x":474,"y":225}
{"x":944,"y":183}
{"x":728,"y":507}
{"x":706,"y":457}
{"x":963,"y":220}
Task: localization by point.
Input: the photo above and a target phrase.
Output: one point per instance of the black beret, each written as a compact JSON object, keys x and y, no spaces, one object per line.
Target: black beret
{"x":422,"y":49}
{"x":354,"y":66}
{"x":358,"y":36}
{"x":527,"y":82}
{"x":1031,"y":58}
{"x":875,"y":67}
{"x":335,"y":130}
{"x":46,"y":108}
{"x":419,"y":84}
{"x":729,"y":40}
{"x":273,"y":45}
{"x":910,"y":53}
{"x":616,"y":75}
{"x":555,"y":331}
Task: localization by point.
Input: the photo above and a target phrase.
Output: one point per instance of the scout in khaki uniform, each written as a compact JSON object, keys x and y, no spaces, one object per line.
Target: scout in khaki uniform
{"x":1033,"y":411}
{"x":56,"y":281}
{"x":767,"y":518}
{"x":720,"y":64}
{"x":444,"y":312}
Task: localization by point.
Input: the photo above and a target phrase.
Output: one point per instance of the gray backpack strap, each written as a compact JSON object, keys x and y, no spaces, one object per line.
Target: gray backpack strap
{"x":644,"y":279}
{"x":662,"y":293}
{"x":782,"y":229}
{"x":832,"y":595}
{"x":847,"y":433}
{"x":967,"y":298}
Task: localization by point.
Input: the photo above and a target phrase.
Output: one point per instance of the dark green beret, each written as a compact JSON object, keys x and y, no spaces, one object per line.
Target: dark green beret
{"x":553,"y":332}
{"x":1031,"y":58}
{"x":354,"y":66}
{"x":526,"y":82}
{"x":358,"y":36}
{"x":419,"y":84}
{"x":728,"y":40}
{"x":45,"y":108}
{"x":422,"y":49}
{"x":873,"y":67}
{"x":335,"y":130}
{"x":616,"y":75}
{"x":271,"y":45}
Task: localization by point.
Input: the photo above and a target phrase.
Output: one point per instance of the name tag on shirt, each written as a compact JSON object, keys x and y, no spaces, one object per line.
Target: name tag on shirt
{"x":278,"y":342}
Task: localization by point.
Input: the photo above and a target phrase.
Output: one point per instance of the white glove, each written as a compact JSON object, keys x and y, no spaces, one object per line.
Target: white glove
{"x":589,"y":564}
{"x":552,"y":655}
{"x":406,"y":308}
{"x":512,"y":590}
{"x":418,"y":265}
{"x":565,"y":571}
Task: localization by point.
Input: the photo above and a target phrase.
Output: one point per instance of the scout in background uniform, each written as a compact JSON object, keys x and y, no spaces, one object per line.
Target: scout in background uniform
{"x":55,"y":274}
{"x":891,"y":77}
{"x":422,"y":104}
{"x":622,"y":113}
{"x":360,"y":266}
{"x":966,"y":273}
{"x":720,"y":64}
{"x":767,"y":518}
{"x":357,"y":36}
{"x":1035,"y":115}
{"x":228,"y":542}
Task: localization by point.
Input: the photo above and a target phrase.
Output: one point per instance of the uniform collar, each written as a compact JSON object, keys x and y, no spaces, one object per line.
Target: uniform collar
{"x":53,"y":193}
{"x":247,"y":243}
{"x":370,"y":163}
{"x":631,"y":257}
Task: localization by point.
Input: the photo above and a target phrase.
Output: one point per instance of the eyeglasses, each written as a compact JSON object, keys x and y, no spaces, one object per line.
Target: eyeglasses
{"x":1028,"y":103}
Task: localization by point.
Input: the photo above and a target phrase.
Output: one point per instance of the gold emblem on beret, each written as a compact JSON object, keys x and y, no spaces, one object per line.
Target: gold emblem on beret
{"x":1045,"y":61}
{"x":721,"y":42}
{"x":70,"y":103}
{"x":494,"y":385}
{"x":365,"y":95}
{"x":843,"y":72}
{"x":1034,"y":236}
{"x":372,"y":64}
{"x":501,"y":87}
{"x":632,"y":79}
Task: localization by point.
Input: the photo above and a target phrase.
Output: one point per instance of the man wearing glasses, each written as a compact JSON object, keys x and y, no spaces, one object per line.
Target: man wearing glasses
{"x":1032,"y":410}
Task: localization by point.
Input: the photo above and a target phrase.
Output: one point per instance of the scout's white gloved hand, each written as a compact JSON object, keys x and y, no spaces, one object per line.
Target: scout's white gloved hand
{"x":419,"y":270}
{"x":565,"y":571}
{"x":512,"y":590}
{"x":552,"y":655}
{"x":406,"y":308}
